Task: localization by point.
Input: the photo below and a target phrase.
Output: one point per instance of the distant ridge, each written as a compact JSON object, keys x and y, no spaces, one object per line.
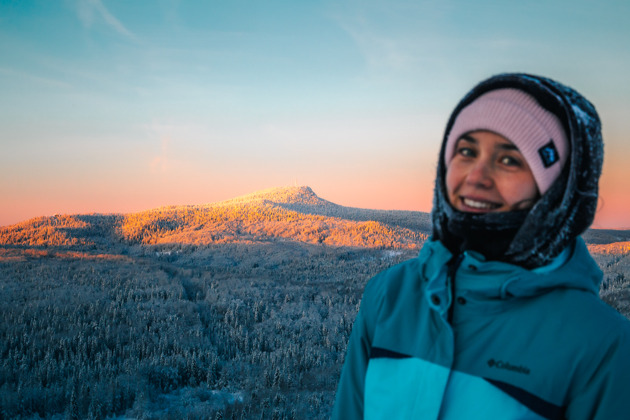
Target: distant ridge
{"x":270,"y":215}
{"x":285,"y":213}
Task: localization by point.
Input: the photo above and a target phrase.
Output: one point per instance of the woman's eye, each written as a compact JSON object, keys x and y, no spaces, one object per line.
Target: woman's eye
{"x":510,"y":161}
{"x":465,"y":151}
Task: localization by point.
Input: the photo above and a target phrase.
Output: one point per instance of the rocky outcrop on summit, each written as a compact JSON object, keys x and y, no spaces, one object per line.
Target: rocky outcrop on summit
{"x":281,"y":195}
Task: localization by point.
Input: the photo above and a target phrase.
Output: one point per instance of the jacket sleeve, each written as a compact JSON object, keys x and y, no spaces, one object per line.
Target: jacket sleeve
{"x":349,"y":398}
{"x":605,"y":393}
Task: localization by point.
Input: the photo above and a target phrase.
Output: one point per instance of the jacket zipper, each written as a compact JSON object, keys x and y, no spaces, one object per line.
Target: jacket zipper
{"x":452,"y":266}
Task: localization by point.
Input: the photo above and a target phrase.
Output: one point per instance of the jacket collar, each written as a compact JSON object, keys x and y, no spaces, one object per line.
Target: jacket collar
{"x":484,"y":280}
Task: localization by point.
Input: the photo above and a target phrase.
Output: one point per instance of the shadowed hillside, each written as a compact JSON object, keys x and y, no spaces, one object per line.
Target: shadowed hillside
{"x":237,"y":309}
{"x":304,"y":200}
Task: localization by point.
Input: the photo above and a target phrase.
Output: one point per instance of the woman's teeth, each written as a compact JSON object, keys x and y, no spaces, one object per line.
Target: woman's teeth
{"x":481,"y":205}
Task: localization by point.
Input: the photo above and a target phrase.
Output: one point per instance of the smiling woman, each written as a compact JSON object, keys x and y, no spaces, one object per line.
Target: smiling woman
{"x":488,"y":173}
{"x":499,"y":315}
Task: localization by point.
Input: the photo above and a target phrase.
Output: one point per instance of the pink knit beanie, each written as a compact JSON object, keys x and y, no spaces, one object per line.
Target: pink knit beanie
{"x":515,"y":115}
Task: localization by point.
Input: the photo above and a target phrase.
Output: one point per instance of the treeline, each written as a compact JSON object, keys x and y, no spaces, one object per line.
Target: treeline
{"x":206,"y":225}
{"x":243,"y":222}
{"x":43,"y":231}
{"x":156,"y":336}
{"x":178,"y":331}
{"x":80,"y":231}
{"x":614,"y":260}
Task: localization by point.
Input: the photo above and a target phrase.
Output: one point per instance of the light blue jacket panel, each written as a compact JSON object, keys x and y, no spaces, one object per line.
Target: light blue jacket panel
{"x":526,"y":344}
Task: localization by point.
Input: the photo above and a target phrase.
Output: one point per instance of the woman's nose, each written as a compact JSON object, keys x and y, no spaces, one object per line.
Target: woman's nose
{"x":480,"y":175}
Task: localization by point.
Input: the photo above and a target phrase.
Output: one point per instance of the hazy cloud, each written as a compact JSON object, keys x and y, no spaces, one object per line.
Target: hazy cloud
{"x":48,"y":81}
{"x":395,"y":40}
{"x":177,"y":145}
{"x":162,"y":163}
{"x":89,"y":10}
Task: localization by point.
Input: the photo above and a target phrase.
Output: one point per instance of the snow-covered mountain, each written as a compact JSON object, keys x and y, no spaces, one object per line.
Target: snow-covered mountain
{"x":278,"y":214}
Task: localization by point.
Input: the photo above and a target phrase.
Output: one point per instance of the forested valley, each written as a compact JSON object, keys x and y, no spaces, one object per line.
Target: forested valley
{"x":234,"y":310}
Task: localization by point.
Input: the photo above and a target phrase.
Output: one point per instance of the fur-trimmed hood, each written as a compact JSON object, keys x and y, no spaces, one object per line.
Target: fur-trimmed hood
{"x":532,"y":237}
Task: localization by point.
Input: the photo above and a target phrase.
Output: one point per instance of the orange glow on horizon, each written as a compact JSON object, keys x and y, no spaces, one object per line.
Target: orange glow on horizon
{"x":378,"y":194}
{"x":406,"y":187}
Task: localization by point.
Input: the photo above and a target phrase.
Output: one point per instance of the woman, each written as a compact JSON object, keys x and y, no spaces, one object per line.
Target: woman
{"x":499,"y":316}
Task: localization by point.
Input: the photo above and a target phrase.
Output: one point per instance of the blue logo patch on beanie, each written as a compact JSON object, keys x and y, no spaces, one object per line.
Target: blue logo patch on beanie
{"x":549,"y":154}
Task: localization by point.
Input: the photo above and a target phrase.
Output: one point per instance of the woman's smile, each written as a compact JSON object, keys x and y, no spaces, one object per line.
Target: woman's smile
{"x":479,"y":204}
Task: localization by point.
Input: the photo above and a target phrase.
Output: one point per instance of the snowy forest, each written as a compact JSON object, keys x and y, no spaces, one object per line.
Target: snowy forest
{"x":234,"y":310}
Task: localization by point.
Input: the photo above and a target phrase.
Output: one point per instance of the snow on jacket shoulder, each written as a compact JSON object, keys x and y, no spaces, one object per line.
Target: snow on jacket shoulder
{"x":519,"y":344}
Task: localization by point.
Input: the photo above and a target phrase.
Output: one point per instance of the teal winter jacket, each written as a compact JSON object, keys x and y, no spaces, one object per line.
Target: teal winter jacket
{"x":439,"y":337}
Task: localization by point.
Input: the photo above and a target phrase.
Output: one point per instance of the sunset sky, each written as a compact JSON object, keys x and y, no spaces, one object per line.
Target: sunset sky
{"x":121,"y":106}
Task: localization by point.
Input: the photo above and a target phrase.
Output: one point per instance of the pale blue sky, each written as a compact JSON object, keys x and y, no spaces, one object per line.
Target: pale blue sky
{"x":118,"y":106}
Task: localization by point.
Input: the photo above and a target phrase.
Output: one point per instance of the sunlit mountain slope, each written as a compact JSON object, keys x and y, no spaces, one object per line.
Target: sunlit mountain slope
{"x":277,"y":214}
{"x":289,"y":214}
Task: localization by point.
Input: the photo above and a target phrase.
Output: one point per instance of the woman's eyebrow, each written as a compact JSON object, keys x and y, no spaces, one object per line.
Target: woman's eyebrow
{"x":501,"y":146}
{"x":507,"y":146}
{"x":468,"y":139}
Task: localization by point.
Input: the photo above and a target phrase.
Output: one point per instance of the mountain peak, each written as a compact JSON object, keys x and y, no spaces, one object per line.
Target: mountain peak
{"x":280,"y":195}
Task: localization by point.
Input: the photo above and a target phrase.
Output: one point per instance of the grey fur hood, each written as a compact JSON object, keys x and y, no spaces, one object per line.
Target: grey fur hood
{"x":532,"y":237}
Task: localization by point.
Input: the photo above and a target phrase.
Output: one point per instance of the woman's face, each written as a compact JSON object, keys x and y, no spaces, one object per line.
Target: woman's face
{"x":489,"y":174}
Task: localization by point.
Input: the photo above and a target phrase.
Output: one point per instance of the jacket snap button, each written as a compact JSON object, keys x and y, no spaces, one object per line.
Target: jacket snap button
{"x":435,"y":299}
{"x":472,"y":267}
{"x":461,"y":300}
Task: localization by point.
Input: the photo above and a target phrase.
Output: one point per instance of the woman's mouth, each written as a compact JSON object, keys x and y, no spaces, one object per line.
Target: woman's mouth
{"x":479,"y":205}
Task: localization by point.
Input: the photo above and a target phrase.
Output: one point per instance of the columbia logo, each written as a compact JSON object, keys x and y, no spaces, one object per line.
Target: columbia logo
{"x":499,"y":364}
